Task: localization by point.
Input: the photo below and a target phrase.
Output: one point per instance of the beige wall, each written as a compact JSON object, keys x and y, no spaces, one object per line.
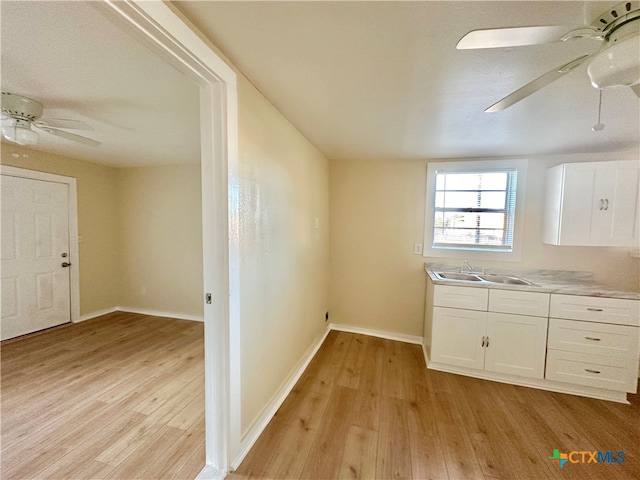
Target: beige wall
{"x":377,"y":214}
{"x":141,"y":229}
{"x":284,"y":264}
{"x":97,"y":221}
{"x":160,"y":214}
{"x":284,"y":257}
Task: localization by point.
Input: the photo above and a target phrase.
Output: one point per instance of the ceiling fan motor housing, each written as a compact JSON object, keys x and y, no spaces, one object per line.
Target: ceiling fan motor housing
{"x":18,"y":106}
{"x":618,"y":64}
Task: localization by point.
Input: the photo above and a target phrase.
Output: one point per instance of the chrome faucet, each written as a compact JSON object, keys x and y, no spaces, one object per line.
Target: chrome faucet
{"x":467,"y":267}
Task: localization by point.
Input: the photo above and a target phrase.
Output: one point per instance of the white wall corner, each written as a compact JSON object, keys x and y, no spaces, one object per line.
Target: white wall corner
{"x":424,"y":351}
{"x":158,"y":313}
{"x":141,"y":311}
{"x":399,"y":337}
{"x":96,"y":314}
{"x":209,"y":472}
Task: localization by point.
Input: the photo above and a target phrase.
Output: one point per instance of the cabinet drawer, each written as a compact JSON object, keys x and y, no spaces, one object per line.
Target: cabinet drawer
{"x":468,"y":298}
{"x":620,"y":374}
{"x":521,"y":303}
{"x":595,"y":309}
{"x":595,"y":338}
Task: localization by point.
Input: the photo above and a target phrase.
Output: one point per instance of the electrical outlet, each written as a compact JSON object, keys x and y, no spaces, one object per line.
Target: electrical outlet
{"x":417,"y":249}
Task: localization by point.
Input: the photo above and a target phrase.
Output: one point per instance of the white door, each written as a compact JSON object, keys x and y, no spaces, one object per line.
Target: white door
{"x":35,"y":256}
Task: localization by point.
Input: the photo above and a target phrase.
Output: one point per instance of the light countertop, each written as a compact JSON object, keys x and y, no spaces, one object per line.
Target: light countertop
{"x":546,"y":281}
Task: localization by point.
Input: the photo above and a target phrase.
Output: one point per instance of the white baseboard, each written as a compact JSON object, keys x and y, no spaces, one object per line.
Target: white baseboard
{"x":209,"y":472}
{"x":267,"y":414}
{"x":96,"y":314}
{"x":399,"y":337}
{"x":426,"y":356}
{"x":157,"y":313}
{"x":142,"y":311}
{"x":539,"y":383}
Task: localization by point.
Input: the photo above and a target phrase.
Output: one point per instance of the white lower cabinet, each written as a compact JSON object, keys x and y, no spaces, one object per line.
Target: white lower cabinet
{"x":490,"y":341}
{"x":592,"y":347}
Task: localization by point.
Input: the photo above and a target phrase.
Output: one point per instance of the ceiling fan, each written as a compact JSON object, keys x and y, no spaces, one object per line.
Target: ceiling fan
{"x":20,"y":113}
{"x":617,"y":63}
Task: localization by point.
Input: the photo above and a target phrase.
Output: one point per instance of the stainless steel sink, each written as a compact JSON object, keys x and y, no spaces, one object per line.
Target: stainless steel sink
{"x":465,"y":277}
{"x":482,"y":278}
{"x":504,"y":279}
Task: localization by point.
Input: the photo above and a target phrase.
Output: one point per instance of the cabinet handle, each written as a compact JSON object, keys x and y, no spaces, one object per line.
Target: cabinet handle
{"x":606,"y":204}
{"x":487,"y":342}
{"x":601,"y":204}
{"x":594,"y":309}
{"x":591,"y":371}
{"x":483,"y":340}
{"x":593,"y":339}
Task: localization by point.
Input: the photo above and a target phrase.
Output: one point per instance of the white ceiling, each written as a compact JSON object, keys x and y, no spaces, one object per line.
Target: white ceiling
{"x":383,"y":80}
{"x":361,"y":80}
{"x":73,"y":58}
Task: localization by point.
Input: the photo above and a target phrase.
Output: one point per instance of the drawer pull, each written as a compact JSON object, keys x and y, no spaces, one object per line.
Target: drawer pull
{"x":591,"y":371}
{"x":593,"y":339}
{"x":594,"y":309}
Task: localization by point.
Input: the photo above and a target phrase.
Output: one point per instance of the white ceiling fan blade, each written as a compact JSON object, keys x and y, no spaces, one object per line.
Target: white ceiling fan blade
{"x":513,"y":37}
{"x":70,"y":136}
{"x":537,"y":84}
{"x":63,"y":123}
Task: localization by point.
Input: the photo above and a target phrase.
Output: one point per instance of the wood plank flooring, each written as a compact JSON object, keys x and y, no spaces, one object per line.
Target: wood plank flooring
{"x":368,"y":408}
{"x":116,"y":397}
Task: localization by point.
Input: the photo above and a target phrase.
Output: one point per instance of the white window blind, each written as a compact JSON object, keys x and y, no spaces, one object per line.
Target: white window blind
{"x":475,"y":209}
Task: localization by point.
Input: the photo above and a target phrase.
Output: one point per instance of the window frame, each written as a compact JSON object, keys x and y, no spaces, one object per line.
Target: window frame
{"x":472,"y":252}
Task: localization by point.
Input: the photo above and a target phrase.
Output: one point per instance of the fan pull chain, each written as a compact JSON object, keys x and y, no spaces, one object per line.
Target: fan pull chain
{"x":599,"y":126}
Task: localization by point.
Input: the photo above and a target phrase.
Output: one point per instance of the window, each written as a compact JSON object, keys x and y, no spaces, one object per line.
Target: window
{"x":474,"y":207}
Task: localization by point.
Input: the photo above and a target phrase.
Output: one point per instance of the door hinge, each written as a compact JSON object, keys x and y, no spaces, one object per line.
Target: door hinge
{"x":207,"y":298}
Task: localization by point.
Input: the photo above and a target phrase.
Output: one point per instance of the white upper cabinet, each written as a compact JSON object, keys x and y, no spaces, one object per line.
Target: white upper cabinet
{"x":595,"y":204}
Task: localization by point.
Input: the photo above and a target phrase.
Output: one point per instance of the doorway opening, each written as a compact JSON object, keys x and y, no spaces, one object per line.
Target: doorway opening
{"x":162,"y":28}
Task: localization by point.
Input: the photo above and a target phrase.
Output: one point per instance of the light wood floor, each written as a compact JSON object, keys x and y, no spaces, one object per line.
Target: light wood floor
{"x":118,"y":397}
{"x":367,"y":408}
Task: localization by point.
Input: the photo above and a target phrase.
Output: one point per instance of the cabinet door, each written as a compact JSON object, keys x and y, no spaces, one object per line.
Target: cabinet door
{"x":457,"y":337}
{"x":517,"y":344}
{"x":621,"y":202}
{"x":580,"y":203}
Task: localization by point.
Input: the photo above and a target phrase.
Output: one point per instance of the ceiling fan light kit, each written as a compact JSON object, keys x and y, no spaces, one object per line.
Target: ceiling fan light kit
{"x":19,"y":131}
{"x":617,"y":63}
{"x":20,"y":113}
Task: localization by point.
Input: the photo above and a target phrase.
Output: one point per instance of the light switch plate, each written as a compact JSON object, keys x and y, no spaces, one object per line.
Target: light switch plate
{"x":417,"y":249}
